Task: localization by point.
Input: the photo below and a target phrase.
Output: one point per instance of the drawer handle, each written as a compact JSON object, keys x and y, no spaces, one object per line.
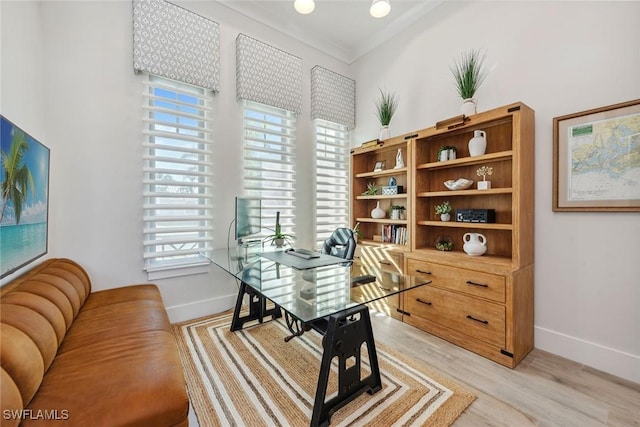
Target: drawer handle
{"x":385,"y":289}
{"x":482,"y":285}
{"x":486,"y":322}
{"x":384,"y":262}
{"x":423,"y":301}
{"x":422,"y":271}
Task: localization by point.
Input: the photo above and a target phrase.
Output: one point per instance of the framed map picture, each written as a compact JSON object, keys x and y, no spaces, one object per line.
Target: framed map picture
{"x":596,"y":157}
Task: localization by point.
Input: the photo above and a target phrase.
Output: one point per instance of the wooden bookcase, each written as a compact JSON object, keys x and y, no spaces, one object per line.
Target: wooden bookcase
{"x":482,"y":303}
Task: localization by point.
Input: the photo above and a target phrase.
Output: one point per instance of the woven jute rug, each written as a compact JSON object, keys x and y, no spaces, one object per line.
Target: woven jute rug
{"x":253,"y":378}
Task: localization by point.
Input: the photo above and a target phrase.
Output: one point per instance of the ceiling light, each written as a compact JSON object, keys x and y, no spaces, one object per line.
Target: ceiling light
{"x":304,"y":6}
{"x":380,"y":8}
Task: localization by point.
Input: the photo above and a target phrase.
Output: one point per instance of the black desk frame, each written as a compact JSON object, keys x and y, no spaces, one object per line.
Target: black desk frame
{"x":344,"y":334}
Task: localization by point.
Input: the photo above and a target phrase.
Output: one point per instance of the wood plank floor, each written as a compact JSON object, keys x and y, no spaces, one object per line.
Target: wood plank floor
{"x":543,"y":390}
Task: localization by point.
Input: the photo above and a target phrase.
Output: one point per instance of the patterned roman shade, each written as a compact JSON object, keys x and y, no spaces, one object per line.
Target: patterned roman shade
{"x":333,"y":97}
{"x":268,"y":75}
{"x":172,"y":42}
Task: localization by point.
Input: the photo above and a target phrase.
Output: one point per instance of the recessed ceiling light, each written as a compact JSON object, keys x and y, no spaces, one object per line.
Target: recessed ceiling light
{"x":380,"y":8}
{"x":304,"y":6}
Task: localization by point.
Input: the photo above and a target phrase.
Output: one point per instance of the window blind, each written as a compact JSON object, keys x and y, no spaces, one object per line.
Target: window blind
{"x":177,"y":200}
{"x":269,"y":162}
{"x":333,"y":97}
{"x":332,"y":178}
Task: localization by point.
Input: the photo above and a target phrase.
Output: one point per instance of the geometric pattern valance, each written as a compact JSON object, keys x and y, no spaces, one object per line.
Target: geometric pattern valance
{"x":172,"y":42}
{"x":268,"y":75}
{"x":333,"y":97}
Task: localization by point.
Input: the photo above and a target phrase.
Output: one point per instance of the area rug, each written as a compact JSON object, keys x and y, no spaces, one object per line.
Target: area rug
{"x":253,"y":378}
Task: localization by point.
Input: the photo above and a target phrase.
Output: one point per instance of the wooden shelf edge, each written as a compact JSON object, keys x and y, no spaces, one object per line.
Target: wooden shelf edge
{"x":455,"y":224}
{"x":467,"y":160}
{"x":384,"y":172}
{"x":386,"y":196}
{"x":384,"y":221}
{"x":459,"y":258}
{"x":447,"y":193}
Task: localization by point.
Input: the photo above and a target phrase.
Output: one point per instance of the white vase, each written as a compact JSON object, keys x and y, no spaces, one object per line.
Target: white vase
{"x":395,"y":213}
{"x":445,"y":217}
{"x":475,"y":244}
{"x":385,"y":133}
{"x":468,"y":107}
{"x":378,"y":212}
{"x":478,"y":144}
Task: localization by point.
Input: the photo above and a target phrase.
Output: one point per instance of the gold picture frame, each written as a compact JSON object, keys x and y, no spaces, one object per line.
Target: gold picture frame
{"x":596,"y":159}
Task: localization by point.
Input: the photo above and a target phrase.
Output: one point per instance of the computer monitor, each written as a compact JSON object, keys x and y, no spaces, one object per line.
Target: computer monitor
{"x":248,"y":218}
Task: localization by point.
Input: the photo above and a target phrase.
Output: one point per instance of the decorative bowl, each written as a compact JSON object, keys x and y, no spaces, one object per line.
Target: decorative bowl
{"x":458,"y":184}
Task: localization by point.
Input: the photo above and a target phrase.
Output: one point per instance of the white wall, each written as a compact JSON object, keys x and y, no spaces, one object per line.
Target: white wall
{"x":67,"y":79}
{"x":558,"y":58}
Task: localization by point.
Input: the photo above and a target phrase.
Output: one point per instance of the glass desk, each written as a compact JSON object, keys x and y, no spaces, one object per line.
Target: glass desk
{"x":328,"y":299}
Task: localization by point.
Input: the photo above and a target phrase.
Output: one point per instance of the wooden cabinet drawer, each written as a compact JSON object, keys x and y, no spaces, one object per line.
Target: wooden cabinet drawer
{"x":476,"y":283}
{"x":483,"y":320}
{"x":380,"y":257}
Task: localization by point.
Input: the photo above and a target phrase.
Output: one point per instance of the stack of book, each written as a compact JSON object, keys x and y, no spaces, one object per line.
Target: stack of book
{"x":396,"y":234}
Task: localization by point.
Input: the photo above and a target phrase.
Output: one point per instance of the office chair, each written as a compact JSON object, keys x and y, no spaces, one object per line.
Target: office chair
{"x":341,"y":243}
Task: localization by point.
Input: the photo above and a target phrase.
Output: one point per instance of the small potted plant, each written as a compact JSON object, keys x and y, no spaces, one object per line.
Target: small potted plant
{"x":357,"y":234}
{"x":372,"y":189}
{"x":484,"y":171}
{"x":397,"y":212}
{"x":444,"y":243}
{"x":444,"y":210}
{"x":468,"y":75}
{"x":447,"y":152}
{"x":386,"y":107}
{"x":278,"y":238}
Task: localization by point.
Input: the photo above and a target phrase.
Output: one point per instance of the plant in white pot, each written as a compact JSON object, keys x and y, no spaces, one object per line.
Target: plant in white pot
{"x":444,"y":210}
{"x":386,"y":106}
{"x":397,"y":211}
{"x":278,"y":238}
{"x":468,"y":74}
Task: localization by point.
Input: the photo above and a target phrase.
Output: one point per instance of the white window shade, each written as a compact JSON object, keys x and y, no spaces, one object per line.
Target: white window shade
{"x":332,"y":178}
{"x":268,"y":75}
{"x":172,"y":42}
{"x":333,"y":97}
{"x":177,"y":202}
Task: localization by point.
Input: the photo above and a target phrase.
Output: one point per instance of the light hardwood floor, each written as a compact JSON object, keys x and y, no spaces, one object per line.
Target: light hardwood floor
{"x":543,"y":390}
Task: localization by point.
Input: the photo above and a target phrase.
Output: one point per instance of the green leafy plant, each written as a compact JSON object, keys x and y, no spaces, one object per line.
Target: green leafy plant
{"x":357,"y":232}
{"x":468,"y":73}
{"x":443,"y":208}
{"x":444,"y":244}
{"x":397,"y":208}
{"x":278,"y":234}
{"x":372,"y":189}
{"x":386,"y":106}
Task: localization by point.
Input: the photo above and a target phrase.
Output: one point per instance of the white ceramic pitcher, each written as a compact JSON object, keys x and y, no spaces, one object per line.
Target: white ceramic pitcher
{"x":475,"y":244}
{"x":478,"y":144}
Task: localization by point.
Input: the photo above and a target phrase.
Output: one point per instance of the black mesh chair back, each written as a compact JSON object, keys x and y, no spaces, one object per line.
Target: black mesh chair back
{"x":341,"y":243}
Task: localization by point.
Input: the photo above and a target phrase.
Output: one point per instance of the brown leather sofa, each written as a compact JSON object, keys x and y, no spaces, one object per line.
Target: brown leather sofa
{"x":79,"y":358}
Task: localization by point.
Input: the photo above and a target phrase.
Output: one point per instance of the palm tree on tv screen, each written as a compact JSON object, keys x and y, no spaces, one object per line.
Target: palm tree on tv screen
{"x":17,"y":179}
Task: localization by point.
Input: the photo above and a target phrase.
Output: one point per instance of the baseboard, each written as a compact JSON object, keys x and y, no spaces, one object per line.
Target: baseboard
{"x":612,"y":361}
{"x":180,"y":313}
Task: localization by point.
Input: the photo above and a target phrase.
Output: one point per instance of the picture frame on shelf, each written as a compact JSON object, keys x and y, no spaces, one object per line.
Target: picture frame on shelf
{"x":379,"y":166}
{"x":594,"y":168}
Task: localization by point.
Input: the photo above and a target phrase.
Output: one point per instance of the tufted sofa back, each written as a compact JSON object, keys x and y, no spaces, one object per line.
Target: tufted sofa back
{"x":36,"y":310}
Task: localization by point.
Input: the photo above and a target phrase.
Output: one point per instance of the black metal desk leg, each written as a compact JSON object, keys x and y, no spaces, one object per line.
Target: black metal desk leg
{"x":257,"y":308}
{"x":346,"y":332}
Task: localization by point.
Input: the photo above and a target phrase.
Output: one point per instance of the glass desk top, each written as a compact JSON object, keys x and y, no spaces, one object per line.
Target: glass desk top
{"x":313,"y":293}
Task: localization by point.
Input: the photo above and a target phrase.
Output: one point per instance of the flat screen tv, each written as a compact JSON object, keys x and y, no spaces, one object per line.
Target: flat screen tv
{"x":24,"y":198}
{"x":248,"y":218}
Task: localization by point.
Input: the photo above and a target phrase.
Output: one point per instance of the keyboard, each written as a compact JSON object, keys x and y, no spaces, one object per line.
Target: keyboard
{"x":303,"y":253}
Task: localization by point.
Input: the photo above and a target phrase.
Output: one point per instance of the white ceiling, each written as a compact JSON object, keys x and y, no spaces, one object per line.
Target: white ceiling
{"x":343,"y":29}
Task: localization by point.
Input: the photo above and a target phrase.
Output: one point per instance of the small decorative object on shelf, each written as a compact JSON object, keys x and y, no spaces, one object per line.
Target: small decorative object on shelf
{"x":483,"y":172}
{"x":448,"y":152}
{"x":386,"y":107}
{"x":357,"y":234}
{"x":378,"y":212}
{"x":399,"y":160}
{"x":458,"y":184}
{"x":478,"y":144}
{"x":379,"y":167}
{"x":392,"y":188}
{"x":397,"y":212}
{"x":444,"y":210}
{"x":444,"y":243}
{"x":372,"y":189}
{"x":468,"y":75}
{"x":475,"y":244}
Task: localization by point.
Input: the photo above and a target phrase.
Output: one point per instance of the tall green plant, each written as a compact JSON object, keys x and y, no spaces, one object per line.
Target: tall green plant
{"x":468,"y":73}
{"x":386,"y":106}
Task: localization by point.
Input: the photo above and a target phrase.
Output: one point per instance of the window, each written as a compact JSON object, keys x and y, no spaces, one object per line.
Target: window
{"x":177,"y":177}
{"x":269,"y":162}
{"x":332,"y":178}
